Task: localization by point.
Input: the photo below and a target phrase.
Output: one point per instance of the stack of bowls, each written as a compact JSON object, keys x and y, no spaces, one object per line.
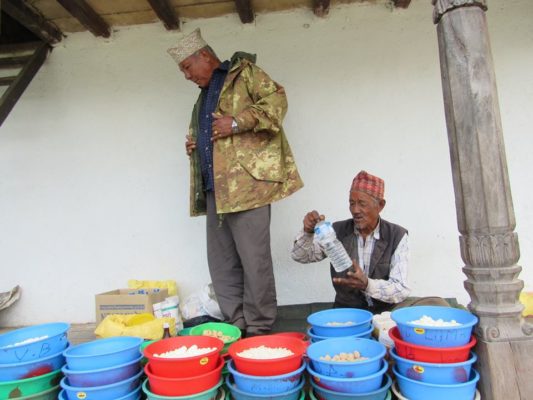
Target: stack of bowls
{"x":30,"y":361}
{"x":339,"y":322}
{"x":197,"y":377}
{"x":273,"y":378}
{"x":104,"y":369}
{"x":347,"y":376}
{"x":434,"y":361}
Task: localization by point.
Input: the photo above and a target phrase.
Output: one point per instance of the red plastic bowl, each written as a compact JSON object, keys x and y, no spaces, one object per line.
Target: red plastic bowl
{"x":441,"y":355}
{"x":268,"y":367}
{"x":183,"y":386}
{"x":297,"y":335}
{"x":186,"y":366}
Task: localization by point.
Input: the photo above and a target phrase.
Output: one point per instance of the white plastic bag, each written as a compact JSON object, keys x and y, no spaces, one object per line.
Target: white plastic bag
{"x":202,"y":302}
{"x":169,"y":308}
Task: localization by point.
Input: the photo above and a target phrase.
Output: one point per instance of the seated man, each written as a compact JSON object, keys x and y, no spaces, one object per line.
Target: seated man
{"x":379,"y":249}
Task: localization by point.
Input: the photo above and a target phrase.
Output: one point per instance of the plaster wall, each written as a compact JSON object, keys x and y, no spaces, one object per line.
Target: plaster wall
{"x":94,"y":177}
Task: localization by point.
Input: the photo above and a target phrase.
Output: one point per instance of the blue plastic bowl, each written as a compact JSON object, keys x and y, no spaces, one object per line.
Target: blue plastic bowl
{"x":266,"y":384}
{"x":316,"y":338}
{"x":29,"y":369}
{"x":103,"y":353}
{"x":237,"y":394}
{"x":55,"y":342}
{"x":362,"y":384}
{"x":372,"y":350}
{"x":434,"y":372}
{"x":380,"y":394}
{"x":324,"y":322}
{"x":416,"y":390}
{"x":106,"y":392}
{"x":435,"y":336}
{"x":208,"y":394}
{"x":134,"y":395}
{"x":102,"y":376}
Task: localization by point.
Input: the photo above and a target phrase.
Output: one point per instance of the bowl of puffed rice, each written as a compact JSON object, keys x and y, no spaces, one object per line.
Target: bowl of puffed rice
{"x":267,"y":355}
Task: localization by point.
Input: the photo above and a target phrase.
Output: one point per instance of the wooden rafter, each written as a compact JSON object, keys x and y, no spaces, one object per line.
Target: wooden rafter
{"x":83,"y":12}
{"x":31,"y":20}
{"x":165,"y":13}
{"x":245,"y":10}
{"x":321,"y":7}
{"x":401,"y":3}
{"x":23,"y":79}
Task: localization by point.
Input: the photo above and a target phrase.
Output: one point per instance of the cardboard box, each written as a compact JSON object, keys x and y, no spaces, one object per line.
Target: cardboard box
{"x":128,"y":301}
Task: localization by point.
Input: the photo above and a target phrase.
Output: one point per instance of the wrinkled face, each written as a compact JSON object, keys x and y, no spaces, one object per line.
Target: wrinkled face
{"x":197,"y":68}
{"x":365,"y":211}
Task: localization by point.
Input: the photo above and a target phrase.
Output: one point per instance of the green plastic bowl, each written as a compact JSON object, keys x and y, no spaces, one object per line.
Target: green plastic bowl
{"x":185,"y":332}
{"x":50,"y":394}
{"x":26,"y":387}
{"x":225,"y":329}
{"x":302,"y":396}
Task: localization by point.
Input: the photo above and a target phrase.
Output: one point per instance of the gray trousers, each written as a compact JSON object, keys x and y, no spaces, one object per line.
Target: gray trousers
{"x":240,"y":264}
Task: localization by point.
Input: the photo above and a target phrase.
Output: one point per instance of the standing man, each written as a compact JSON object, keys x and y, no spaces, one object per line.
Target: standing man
{"x":240,"y":163}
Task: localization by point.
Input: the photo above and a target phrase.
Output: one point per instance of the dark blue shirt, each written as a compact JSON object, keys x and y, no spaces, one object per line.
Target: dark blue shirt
{"x":204,"y":145}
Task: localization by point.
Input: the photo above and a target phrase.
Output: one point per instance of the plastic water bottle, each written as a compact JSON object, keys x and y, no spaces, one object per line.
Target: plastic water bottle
{"x":327,"y":239}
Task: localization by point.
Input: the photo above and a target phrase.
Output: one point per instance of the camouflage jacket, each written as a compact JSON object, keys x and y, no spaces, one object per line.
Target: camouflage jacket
{"x":254,"y":167}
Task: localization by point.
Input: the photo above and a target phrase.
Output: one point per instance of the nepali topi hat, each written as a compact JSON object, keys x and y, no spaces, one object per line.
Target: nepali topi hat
{"x":187,"y":46}
{"x":369,"y":184}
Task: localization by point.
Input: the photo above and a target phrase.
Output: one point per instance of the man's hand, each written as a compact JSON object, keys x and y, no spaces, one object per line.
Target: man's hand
{"x":190,"y":144}
{"x":311,"y":219}
{"x":221,"y":127}
{"x":355,"y":279}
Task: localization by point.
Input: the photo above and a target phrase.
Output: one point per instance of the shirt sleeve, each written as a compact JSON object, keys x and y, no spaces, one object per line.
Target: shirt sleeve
{"x":395,"y":289}
{"x":305,"y":250}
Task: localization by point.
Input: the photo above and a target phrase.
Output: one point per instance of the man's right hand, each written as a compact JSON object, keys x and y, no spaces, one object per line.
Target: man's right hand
{"x":190,"y":144}
{"x":311,"y":219}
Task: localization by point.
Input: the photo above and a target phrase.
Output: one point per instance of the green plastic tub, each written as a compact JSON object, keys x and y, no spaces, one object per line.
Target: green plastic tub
{"x":185,"y":332}
{"x":225,"y":329}
{"x":49,"y":394}
{"x":26,"y":387}
{"x":302,"y":395}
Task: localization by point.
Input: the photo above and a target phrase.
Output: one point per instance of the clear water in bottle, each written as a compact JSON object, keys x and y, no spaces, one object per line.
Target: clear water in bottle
{"x":327,"y":239}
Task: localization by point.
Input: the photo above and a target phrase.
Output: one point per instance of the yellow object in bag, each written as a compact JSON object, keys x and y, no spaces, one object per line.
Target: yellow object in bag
{"x":526,"y":298}
{"x":145,"y":326}
{"x":170,"y":285}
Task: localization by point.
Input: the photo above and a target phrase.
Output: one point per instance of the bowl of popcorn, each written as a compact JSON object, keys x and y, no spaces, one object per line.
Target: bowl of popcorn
{"x":184,"y":356}
{"x":340,"y":322}
{"x":346,"y":357}
{"x":435,"y":326}
{"x":267,"y":355}
{"x":226,"y":332}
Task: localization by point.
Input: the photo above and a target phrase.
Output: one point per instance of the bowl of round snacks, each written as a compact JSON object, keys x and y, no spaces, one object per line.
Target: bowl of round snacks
{"x":340,"y":322}
{"x":226,"y":332}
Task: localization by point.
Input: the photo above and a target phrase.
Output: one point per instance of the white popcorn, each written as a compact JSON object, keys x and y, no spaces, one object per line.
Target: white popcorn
{"x":428,"y":321}
{"x":184,"y":351}
{"x":265,"y":353}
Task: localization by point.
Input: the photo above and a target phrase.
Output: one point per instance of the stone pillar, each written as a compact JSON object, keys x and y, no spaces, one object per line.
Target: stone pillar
{"x":485,"y":215}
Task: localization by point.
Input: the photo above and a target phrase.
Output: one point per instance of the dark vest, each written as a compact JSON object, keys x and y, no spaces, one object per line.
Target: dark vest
{"x":380,"y":262}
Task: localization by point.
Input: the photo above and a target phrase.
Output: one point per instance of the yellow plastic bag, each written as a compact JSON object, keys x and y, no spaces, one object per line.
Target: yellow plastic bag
{"x":145,"y":326}
{"x":170,"y":285}
{"x":526,"y":298}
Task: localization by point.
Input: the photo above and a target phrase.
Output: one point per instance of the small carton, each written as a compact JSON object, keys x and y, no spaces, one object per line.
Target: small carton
{"x":128,"y":301}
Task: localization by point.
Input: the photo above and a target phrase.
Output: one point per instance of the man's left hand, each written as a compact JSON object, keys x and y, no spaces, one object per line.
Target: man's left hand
{"x":221,"y":127}
{"x":355,"y":279}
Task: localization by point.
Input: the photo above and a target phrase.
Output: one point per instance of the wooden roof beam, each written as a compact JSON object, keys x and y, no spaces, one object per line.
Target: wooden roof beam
{"x":80,"y":10}
{"x":165,"y":13}
{"x":245,"y":10}
{"x":321,"y":7}
{"x":401,"y":3}
{"x":32,"y":20}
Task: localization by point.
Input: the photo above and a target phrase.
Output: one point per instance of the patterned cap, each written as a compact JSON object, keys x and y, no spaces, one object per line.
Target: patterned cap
{"x":369,"y":184}
{"x":187,"y":46}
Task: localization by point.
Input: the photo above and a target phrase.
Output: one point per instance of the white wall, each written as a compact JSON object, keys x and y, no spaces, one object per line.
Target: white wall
{"x":94,"y":177}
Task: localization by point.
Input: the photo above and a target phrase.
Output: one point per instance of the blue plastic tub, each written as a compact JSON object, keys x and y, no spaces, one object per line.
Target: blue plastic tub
{"x":362,"y":384}
{"x":340,"y":322}
{"x":316,"y":338}
{"x":372,"y":350}
{"x":103,"y":353}
{"x":237,"y":394}
{"x":133,"y":395}
{"x":434,"y":372}
{"x":382,"y":393}
{"x":416,"y":390}
{"x":106,"y":392}
{"x":208,"y":394}
{"x":266,"y":384}
{"x":55,"y":342}
{"x":102,"y":376}
{"x":435,"y":336}
{"x":29,"y":369}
